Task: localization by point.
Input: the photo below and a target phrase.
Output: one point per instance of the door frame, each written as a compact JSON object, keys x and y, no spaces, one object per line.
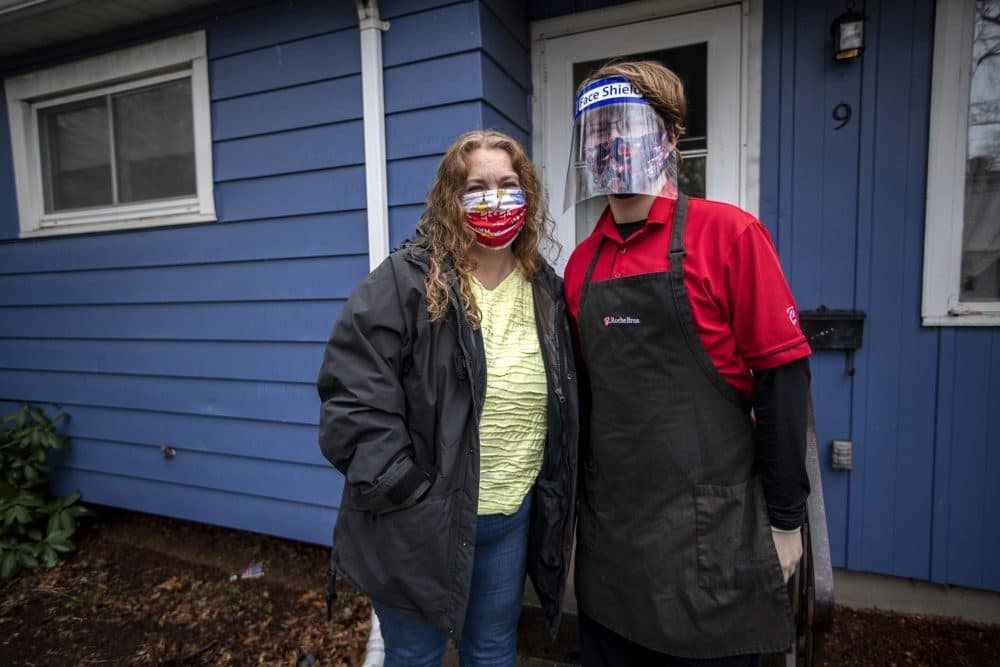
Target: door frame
{"x":742,"y":173}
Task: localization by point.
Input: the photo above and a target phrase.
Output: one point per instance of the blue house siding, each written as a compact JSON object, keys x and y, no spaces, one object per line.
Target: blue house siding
{"x":896,"y":396}
{"x":448,"y":68}
{"x":846,"y":208}
{"x":548,"y":9}
{"x":811,"y":204}
{"x":206,"y":339}
{"x":966,"y":493}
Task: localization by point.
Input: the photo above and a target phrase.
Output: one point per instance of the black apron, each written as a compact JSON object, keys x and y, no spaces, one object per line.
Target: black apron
{"x":674,"y":544}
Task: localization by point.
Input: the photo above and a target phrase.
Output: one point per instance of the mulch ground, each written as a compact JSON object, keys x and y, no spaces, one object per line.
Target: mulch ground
{"x":871,"y":637}
{"x":145,"y":590}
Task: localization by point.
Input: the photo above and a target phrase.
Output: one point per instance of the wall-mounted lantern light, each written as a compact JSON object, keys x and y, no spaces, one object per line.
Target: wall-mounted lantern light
{"x":848,"y":31}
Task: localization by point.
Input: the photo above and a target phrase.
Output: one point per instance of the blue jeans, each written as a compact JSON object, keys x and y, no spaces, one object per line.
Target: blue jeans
{"x":490,"y":635}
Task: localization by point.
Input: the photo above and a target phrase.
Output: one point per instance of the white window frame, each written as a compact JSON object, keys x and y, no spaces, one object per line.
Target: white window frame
{"x":177,"y":57}
{"x":947,"y":152}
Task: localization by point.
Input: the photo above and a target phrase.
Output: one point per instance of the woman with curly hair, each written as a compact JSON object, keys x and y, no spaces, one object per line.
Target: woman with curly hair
{"x":449,"y":403}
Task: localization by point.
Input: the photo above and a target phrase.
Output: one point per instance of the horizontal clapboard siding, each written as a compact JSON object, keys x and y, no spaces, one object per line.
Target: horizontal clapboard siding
{"x":287,"y":237}
{"x":284,"y":402}
{"x":268,"y":479}
{"x":264,"y":361}
{"x":286,"y":65}
{"x":448,"y":68}
{"x":255,"y":439}
{"x":309,"y":522}
{"x":314,"y":104}
{"x":207,"y":339}
{"x":308,"y":149}
{"x":309,"y":278}
{"x":303,"y":321}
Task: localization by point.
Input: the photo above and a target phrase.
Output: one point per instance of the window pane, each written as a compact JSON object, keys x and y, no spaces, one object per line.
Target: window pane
{"x":981,"y":230}
{"x":154,"y":142}
{"x":76,"y":155}
{"x":691,"y":179}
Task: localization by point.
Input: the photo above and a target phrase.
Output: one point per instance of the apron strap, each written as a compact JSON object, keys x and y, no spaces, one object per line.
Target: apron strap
{"x":676,"y":256}
{"x":586,"y":277}
{"x":593,"y":261}
{"x":676,"y":252}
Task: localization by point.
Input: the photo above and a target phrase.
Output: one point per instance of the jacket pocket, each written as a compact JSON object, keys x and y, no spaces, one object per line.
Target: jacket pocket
{"x":548,"y":522}
{"x":732,"y":536}
{"x":401,"y":485}
{"x":401,"y":558}
{"x":547,"y":554}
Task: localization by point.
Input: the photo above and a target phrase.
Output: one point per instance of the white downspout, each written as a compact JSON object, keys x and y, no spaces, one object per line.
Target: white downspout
{"x":376,"y":190}
{"x":374,"y":123}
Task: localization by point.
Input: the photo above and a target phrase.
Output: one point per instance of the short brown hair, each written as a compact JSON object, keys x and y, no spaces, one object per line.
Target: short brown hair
{"x":658,"y":84}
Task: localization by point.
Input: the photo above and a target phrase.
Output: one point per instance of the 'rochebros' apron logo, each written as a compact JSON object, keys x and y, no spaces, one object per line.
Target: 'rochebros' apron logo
{"x":624,"y":319}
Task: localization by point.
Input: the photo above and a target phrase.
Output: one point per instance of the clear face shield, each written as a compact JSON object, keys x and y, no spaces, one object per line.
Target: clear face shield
{"x":620,"y":145}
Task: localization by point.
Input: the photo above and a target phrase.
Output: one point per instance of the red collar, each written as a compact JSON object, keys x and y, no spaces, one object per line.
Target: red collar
{"x":660,"y":213}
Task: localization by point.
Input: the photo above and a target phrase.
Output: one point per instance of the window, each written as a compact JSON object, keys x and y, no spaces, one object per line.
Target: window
{"x":117,"y":141}
{"x":962,"y":242}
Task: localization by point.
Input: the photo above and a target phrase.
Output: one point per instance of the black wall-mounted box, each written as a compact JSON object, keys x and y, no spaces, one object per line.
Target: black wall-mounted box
{"x":827,"y":329}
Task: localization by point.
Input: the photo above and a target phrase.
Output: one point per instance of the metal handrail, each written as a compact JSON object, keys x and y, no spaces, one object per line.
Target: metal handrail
{"x":811,"y":589}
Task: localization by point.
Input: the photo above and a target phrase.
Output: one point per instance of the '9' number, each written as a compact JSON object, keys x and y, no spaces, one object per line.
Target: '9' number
{"x":842,"y":113}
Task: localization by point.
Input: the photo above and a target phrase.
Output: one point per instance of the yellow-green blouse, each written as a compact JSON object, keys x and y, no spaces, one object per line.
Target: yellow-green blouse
{"x":513,"y":423}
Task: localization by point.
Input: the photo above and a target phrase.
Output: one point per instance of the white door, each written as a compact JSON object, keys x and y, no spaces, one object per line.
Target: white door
{"x":704,"y":48}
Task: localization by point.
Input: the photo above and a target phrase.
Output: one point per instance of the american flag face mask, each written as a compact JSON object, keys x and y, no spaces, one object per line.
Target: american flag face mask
{"x":495,"y":217}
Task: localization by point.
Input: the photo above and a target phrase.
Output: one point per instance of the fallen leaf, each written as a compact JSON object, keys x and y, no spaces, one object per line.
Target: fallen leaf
{"x":171,"y":584}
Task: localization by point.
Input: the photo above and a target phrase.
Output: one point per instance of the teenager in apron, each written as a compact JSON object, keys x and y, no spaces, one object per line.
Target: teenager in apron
{"x":689,"y":513}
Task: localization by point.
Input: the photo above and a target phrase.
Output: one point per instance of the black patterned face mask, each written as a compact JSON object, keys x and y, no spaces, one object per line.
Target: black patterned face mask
{"x":627,"y":164}
{"x":620,"y":145}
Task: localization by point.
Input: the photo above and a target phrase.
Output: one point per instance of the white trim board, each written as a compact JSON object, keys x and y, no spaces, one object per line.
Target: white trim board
{"x":947,"y":149}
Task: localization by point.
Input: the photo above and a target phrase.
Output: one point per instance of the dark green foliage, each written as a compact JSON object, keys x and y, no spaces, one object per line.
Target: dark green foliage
{"x":34,"y":527}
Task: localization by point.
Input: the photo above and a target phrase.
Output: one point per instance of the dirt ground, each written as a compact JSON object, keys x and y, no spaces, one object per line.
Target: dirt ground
{"x":145,"y":590}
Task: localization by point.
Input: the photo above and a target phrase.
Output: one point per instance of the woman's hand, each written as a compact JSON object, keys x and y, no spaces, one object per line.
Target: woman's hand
{"x":788,"y":544}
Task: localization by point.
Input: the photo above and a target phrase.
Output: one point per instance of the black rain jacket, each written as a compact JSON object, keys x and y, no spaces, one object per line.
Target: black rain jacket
{"x":401,"y":401}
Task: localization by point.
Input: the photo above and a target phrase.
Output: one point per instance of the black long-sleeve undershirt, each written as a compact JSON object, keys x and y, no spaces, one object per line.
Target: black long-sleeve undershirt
{"x":780,"y":408}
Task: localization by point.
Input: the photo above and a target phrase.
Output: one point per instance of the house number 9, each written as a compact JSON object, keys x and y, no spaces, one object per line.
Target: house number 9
{"x":842,"y":113}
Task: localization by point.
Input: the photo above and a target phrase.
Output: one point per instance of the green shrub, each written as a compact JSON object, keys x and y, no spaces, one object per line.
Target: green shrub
{"x":34,"y":527}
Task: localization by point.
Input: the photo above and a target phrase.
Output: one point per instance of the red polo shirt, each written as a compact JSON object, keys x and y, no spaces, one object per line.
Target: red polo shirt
{"x":742,"y":307}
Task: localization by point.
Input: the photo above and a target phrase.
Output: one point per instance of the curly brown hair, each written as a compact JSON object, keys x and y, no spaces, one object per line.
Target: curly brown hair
{"x":657,"y":83}
{"x":442,"y":225}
